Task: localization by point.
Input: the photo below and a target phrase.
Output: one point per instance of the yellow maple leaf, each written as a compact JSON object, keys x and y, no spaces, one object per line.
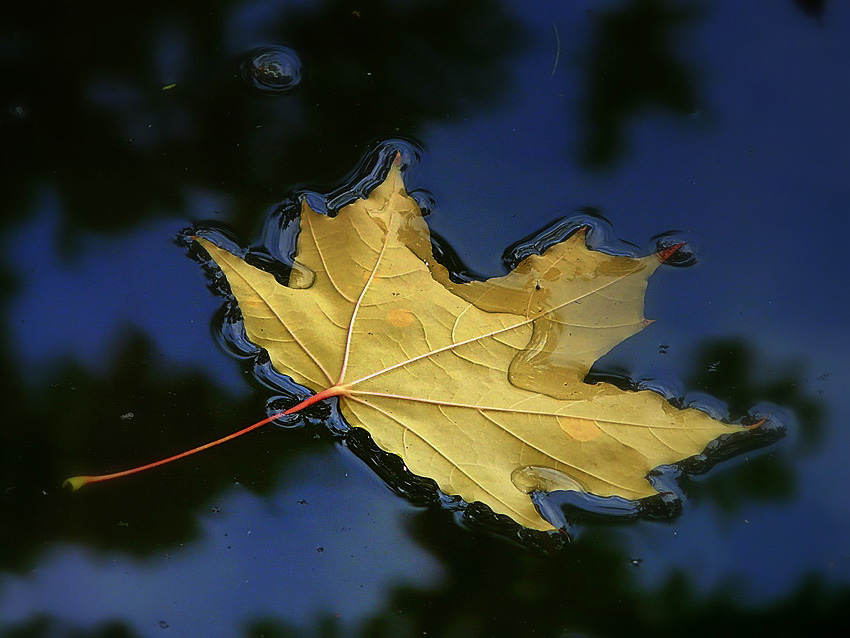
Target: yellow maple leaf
{"x":476,"y":385}
{"x":479,"y":385}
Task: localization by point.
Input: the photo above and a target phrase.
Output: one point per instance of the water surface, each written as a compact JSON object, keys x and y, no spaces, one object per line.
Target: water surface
{"x":722,"y":120}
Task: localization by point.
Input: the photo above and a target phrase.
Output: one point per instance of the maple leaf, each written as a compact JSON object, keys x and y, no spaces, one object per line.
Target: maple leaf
{"x":476,"y":385}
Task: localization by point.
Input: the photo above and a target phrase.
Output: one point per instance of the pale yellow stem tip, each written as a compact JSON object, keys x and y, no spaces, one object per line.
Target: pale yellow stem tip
{"x":76,"y":482}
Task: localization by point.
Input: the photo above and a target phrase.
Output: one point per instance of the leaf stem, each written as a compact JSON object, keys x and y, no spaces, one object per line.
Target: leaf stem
{"x":76,"y":482}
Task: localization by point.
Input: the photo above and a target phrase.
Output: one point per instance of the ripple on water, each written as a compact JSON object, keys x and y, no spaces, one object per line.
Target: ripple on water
{"x":271,"y":69}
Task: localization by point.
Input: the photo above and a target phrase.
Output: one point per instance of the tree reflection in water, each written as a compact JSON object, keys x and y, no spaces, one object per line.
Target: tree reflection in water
{"x":84,"y":114}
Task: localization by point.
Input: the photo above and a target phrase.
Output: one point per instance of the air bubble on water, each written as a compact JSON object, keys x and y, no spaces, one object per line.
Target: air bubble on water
{"x":271,"y":69}
{"x":18,"y":111}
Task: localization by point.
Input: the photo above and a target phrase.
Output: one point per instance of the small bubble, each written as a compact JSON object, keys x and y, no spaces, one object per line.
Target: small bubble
{"x":320,"y":549}
{"x":18,"y":111}
{"x":163,"y":624}
{"x":273,"y":69}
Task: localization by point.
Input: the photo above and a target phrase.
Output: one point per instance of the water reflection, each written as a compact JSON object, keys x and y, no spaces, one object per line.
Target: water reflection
{"x":83,"y":109}
{"x":728,"y":370}
{"x":128,"y":415}
{"x":592,"y":588}
{"x":251,"y":557}
{"x":547,"y":599}
{"x":814,"y":8}
{"x":117,"y":148}
{"x":634,"y":68}
{"x":46,"y":626}
{"x":90,"y":417}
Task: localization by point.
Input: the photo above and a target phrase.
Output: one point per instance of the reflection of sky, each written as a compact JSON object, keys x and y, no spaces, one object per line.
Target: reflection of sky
{"x":81,"y":307}
{"x":298,"y":555}
{"x":758,"y":178}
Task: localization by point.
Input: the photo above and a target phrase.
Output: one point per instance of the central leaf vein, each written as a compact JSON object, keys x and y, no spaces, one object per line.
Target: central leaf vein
{"x":359,"y":302}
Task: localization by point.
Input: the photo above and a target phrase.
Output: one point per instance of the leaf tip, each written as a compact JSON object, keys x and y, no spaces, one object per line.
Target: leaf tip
{"x":666,"y":253}
{"x":394,"y":181}
{"x":753,"y":426}
{"x":76,"y":482}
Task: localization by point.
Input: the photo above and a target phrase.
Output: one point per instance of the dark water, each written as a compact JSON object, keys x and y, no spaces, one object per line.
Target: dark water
{"x":722,"y":120}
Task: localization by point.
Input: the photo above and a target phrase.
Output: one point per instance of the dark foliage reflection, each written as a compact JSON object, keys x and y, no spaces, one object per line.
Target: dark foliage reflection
{"x":85,"y":109}
{"x":727,"y":370}
{"x":634,"y":67}
{"x":814,"y":8}
{"x":46,"y":627}
{"x":126,"y":417}
{"x":590,"y":588}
